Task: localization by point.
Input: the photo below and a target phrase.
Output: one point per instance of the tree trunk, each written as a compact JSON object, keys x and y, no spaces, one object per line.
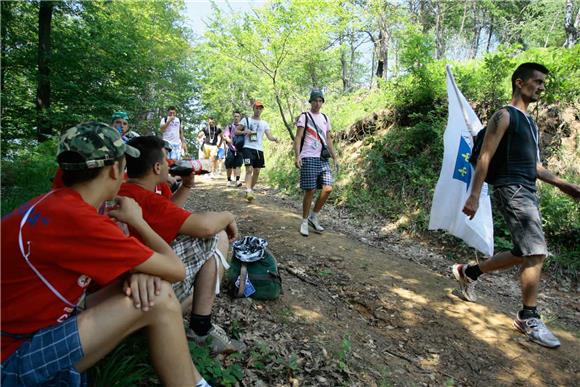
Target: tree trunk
{"x":439,"y":38}
{"x":344,"y":65}
{"x":571,"y":28}
{"x":379,"y":50}
{"x":6,"y":17}
{"x":281,"y":109}
{"x":476,"y":32}
{"x":44,"y":51}
{"x":489,"y":35}
{"x":465,"y":4}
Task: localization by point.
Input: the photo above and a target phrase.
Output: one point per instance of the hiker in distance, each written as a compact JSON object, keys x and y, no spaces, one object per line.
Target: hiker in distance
{"x":510,"y":162}
{"x":313,"y":147}
{"x":254,"y":128}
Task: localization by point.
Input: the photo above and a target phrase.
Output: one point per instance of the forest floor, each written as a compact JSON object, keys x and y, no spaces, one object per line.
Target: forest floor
{"x":365,"y":307}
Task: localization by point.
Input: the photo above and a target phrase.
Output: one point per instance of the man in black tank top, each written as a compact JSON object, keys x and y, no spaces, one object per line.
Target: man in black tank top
{"x":511,"y":141}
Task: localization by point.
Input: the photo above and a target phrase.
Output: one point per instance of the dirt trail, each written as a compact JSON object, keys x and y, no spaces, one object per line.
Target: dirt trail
{"x":353,"y":314}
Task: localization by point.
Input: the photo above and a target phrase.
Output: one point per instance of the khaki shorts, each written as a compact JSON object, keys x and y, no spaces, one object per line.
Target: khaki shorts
{"x":210,"y":151}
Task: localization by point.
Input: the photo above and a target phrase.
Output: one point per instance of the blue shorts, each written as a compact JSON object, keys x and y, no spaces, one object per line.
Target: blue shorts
{"x":314,"y":173}
{"x":47,"y":359}
{"x":175,"y":153}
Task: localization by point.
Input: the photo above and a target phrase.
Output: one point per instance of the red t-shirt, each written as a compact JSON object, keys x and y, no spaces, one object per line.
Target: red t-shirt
{"x":164,"y":217}
{"x":164,"y":190}
{"x":70,"y":244}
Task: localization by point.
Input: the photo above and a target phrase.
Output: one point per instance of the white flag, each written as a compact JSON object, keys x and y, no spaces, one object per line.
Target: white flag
{"x":455,"y":180}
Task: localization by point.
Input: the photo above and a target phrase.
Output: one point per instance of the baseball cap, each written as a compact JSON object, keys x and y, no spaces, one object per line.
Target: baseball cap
{"x":122,"y":115}
{"x":96,"y":143}
{"x":316,"y":93}
{"x":258,"y":103}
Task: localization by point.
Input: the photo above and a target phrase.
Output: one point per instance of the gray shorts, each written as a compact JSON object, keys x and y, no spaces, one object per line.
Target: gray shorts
{"x":194,"y":253}
{"x":519,"y":207}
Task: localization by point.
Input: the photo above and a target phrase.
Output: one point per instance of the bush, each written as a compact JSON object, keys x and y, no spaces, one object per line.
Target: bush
{"x":27,"y":173}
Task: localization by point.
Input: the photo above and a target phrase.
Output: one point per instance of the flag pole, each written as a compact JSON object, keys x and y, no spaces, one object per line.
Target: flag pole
{"x":467,"y":122}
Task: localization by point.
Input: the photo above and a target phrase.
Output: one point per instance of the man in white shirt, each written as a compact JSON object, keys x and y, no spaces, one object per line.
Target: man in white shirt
{"x":254,"y":129}
{"x":171,"y":131}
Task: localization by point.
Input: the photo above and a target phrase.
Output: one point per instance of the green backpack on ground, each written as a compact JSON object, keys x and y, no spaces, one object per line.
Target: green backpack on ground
{"x":262,"y":273}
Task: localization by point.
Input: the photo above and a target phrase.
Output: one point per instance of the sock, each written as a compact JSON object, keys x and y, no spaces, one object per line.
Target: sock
{"x":200,"y":324}
{"x":202,"y":383}
{"x":237,"y":178}
{"x":305,"y":220}
{"x":229,"y":178}
{"x":473,"y":272}
{"x":529,"y":312}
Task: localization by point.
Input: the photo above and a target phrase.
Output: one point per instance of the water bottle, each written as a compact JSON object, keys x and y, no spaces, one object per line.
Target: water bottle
{"x":110,"y":205}
{"x":188,"y":167}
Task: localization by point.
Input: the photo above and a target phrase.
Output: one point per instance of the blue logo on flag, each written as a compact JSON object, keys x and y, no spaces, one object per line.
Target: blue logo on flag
{"x":462,"y":170}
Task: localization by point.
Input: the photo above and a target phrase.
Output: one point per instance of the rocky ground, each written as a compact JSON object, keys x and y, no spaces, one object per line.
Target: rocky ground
{"x":365,"y":306}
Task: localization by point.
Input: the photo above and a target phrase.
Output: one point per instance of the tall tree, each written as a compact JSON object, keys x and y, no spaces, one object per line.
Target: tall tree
{"x":571,"y":27}
{"x":44,"y":51}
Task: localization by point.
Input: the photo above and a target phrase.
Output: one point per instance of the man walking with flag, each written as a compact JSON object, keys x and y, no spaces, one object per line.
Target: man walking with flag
{"x":509,"y":161}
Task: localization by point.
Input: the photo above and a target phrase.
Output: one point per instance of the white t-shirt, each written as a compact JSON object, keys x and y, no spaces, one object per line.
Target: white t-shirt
{"x":312,"y":144}
{"x":171,"y":134}
{"x":259,"y":127}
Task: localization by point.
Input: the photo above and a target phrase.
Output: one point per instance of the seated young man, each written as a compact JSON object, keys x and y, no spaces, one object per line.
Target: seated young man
{"x":56,"y":244}
{"x":199,"y":239}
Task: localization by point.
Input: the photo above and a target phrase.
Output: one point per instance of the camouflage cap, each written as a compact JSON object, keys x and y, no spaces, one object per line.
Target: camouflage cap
{"x":97,"y":143}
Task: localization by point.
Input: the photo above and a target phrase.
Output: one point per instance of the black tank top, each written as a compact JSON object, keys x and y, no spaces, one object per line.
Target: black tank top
{"x":517,"y":152}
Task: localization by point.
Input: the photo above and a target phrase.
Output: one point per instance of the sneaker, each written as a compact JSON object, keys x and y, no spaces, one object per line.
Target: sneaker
{"x":313,"y":220}
{"x":536,"y":331}
{"x":239,"y":184}
{"x":217,"y":340}
{"x":466,"y":284}
{"x":304,"y":228}
{"x":231,"y":183}
{"x":250,"y":196}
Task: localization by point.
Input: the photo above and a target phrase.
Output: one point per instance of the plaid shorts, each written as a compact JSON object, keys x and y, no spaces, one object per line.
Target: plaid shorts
{"x":47,"y":359}
{"x":314,"y":173}
{"x":194,"y":253}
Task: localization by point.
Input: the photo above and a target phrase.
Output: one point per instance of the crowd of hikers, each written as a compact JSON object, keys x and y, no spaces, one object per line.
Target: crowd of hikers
{"x":111,"y":250}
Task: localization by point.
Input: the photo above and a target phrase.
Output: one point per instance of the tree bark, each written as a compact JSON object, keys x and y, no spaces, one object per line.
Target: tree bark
{"x":489,"y":35}
{"x":6,"y":16}
{"x":570,"y":27}
{"x":44,"y":51}
{"x":281,"y":109}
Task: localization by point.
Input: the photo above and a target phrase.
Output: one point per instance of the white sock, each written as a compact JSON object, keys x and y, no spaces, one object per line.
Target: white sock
{"x":202,"y":383}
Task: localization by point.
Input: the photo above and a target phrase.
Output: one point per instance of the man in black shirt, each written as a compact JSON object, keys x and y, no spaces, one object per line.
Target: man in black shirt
{"x":213,"y":141}
{"x":512,"y":141}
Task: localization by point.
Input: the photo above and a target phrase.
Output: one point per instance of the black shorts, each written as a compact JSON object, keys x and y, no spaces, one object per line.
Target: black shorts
{"x":254,"y":158}
{"x":234,"y":159}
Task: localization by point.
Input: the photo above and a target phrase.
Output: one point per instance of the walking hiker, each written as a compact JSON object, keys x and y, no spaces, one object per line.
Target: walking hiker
{"x":312,"y":140}
{"x":212,"y":142}
{"x":510,"y":162}
{"x":200,"y":240}
{"x":234,"y":157}
{"x":55,"y":245}
{"x":254,"y":129}
{"x":172,"y":131}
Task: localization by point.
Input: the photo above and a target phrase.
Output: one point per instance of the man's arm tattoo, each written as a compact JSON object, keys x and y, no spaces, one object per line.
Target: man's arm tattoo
{"x":495,"y":120}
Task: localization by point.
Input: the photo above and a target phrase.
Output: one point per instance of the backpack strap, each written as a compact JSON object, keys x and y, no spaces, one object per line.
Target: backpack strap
{"x":243,"y":277}
{"x":318,"y":131}
{"x":304,"y":133}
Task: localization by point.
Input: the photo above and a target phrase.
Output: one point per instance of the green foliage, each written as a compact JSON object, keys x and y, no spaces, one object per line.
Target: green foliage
{"x":27,"y":173}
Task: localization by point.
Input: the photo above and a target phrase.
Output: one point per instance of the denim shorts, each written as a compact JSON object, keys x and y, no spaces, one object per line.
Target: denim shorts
{"x":47,"y":359}
{"x":519,"y":207}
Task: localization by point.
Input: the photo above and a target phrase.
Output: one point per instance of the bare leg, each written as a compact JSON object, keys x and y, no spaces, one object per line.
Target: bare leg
{"x":238,"y":171}
{"x":214,"y":164}
{"x":503,"y":260}
{"x":205,"y":281}
{"x":307,"y":202}
{"x":255,"y":176}
{"x":103,"y":326}
{"x":322,"y":198}
{"x":530,"y":278}
{"x":248,"y":178}
{"x":229,"y":173}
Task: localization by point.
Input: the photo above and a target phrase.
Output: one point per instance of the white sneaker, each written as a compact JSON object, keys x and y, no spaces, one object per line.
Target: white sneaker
{"x":313,"y":220}
{"x":304,"y":228}
{"x":231,"y":183}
